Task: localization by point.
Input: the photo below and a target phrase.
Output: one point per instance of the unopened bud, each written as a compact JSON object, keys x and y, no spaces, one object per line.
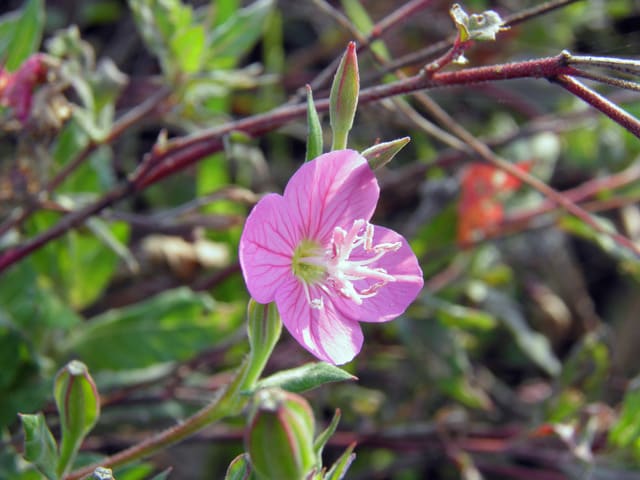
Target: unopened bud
{"x":343,"y":99}
{"x":280,"y":435}
{"x":78,"y":405}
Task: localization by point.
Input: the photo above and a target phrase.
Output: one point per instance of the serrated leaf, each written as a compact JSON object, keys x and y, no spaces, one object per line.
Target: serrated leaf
{"x":306,"y":377}
{"x":27,"y":33}
{"x":39,"y":445}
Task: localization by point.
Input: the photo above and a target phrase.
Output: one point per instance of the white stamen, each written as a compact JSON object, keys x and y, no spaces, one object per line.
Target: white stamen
{"x":341,"y":272}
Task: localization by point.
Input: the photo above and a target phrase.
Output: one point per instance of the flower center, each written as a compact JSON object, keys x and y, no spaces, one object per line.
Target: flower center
{"x":335,"y":271}
{"x":307,"y":272}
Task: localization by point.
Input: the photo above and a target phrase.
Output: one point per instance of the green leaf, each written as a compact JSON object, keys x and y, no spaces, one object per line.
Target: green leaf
{"x":39,"y":445}
{"x":27,"y":33}
{"x":232,"y":39}
{"x":484,"y":26}
{"x":339,"y":468}
{"x":188,"y":46}
{"x":626,"y":432}
{"x":30,"y":305}
{"x":64,"y":262}
{"x":533,"y":344}
{"x":322,"y":439}
{"x":306,"y":377}
{"x":239,"y":468}
{"x":358,"y":14}
{"x":314,"y":129}
{"x":459,"y":316}
{"x":445,"y":361}
{"x":629,"y":262}
{"x":172,"y":326}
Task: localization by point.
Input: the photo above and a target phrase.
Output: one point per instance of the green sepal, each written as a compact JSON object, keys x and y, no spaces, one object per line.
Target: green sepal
{"x":339,"y":469}
{"x":39,"y":445}
{"x":314,"y":129}
{"x":239,"y":468}
{"x":322,"y":439}
{"x":382,"y":153}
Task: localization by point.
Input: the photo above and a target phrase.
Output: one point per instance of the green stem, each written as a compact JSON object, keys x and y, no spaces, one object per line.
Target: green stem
{"x":340,"y":138}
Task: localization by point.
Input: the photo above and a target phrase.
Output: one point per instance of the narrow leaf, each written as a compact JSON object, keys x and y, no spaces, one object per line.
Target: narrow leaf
{"x":340,"y":467}
{"x":232,"y":39}
{"x":27,"y":34}
{"x":326,"y":434}
{"x":306,"y":377}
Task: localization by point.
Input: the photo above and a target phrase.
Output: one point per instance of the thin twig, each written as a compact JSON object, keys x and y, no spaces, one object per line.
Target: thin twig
{"x":593,"y":98}
{"x":180,"y":153}
{"x":424,"y":55}
{"x":388,"y":22}
{"x":613,"y":111}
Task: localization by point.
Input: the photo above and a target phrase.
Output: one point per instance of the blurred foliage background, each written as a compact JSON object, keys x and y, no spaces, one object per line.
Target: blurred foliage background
{"x":519,"y":358}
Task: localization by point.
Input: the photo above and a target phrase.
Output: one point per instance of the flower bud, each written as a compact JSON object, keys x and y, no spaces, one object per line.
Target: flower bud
{"x":382,"y":153}
{"x":343,"y":99}
{"x":280,"y":435}
{"x":78,"y":405}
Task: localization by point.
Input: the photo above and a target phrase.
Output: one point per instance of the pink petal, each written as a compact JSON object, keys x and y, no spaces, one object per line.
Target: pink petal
{"x":324,"y":332}
{"x":332,"y":190}
{"x":393,"y":298}
{"x":266,"y":248}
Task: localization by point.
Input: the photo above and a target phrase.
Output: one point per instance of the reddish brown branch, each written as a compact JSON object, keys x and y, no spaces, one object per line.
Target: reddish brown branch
{"x":183,"y":152}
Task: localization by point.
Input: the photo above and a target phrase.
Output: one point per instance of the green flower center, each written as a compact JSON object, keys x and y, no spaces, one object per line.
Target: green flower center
{"x":302,"y":264}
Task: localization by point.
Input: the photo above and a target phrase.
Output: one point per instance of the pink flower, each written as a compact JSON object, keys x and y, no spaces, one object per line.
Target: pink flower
{"x":314,"y":252}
